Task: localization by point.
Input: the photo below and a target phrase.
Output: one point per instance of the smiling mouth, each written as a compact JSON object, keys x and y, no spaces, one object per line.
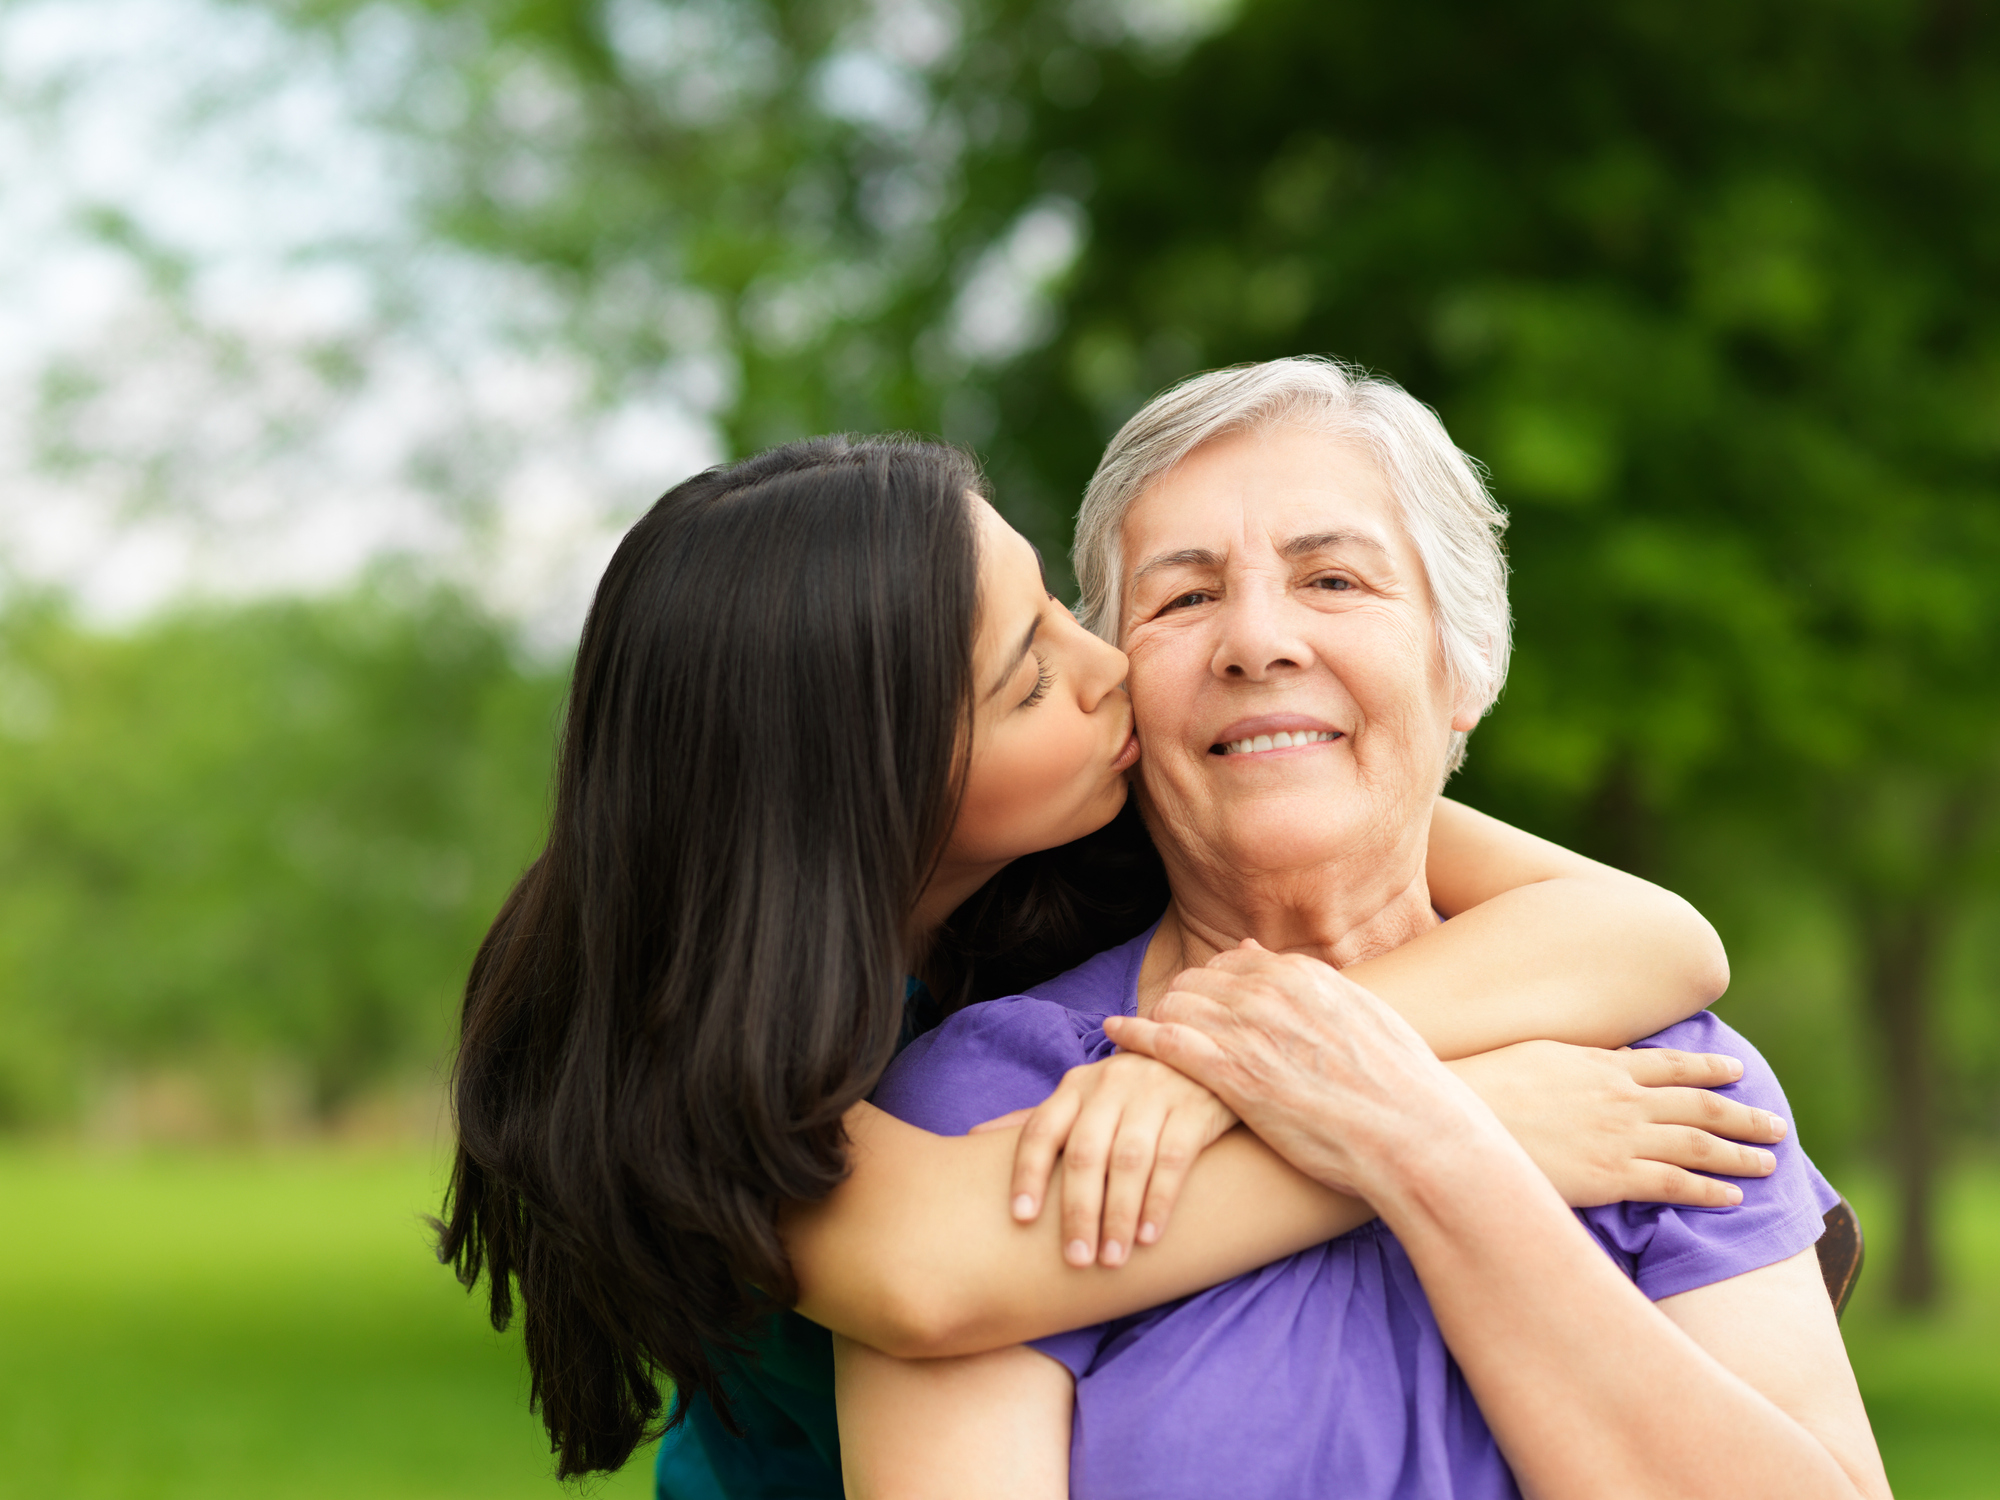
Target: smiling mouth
{"x":1258,"y":744}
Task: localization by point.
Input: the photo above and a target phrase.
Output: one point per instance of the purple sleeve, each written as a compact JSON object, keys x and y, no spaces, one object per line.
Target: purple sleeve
{"x":1668,"y":1249}
{"x":989,"y":1060}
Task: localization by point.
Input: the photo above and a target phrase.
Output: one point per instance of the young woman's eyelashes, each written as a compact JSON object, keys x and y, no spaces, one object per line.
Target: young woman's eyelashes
{"x":1045,"y":679}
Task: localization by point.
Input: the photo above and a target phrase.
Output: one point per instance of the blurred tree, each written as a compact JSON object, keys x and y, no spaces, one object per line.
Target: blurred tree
{"x":1712,"y":288}
{"x":254,"y":833}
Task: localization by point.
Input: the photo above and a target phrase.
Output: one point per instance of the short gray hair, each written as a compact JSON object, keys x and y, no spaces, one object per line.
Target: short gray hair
{"x":1445,"y":506}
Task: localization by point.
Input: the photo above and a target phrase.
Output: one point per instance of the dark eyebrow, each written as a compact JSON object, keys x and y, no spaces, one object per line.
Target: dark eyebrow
{"x":1015,"y":665}
{"x":1321,"y":541}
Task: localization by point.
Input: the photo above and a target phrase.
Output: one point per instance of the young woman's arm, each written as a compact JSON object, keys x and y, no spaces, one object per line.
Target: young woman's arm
{"x":1545,"y":945}
{"x":1542,"y":943}
{"x":917,"y":1252}
{"x":927,"y":1429}
{"x":945,"y":1270}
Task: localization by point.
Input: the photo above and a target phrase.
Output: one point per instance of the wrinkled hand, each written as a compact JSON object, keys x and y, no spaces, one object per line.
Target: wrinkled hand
{"x":1327,"y":1074}
{"x":1127,"y":1130}
{"x":1626,"y":1126}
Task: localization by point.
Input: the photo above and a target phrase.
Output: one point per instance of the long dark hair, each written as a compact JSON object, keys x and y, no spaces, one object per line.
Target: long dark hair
{"x":705,"y":968}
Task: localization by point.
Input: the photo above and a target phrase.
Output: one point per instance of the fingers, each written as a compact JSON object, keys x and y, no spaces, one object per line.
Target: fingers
{"x":1715,"y":1113}
{"x":1042,"y":1140}
{"x":1659,"y":1066}
{"x":1084,"y":1161}
{"x":1691,"y":1147}
{"x":1662,"y":1183}
{"x":1133,"y":1150}
{"x":1184,"y":1138}
{"x":1182,"y":1048}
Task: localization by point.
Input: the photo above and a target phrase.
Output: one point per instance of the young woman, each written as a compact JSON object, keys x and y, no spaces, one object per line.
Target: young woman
{"x":823,"y":722}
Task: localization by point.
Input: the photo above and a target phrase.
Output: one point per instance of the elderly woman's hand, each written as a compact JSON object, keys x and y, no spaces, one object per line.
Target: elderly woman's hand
{"x":1328,"y":1075}
{"x":1127,"y":1129}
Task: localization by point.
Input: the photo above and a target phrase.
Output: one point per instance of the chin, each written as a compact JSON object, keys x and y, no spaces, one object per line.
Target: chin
{"x":1283,"y":835}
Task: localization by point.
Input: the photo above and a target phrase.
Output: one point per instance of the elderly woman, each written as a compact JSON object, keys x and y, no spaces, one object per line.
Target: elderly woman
{"x":1306,"y":576}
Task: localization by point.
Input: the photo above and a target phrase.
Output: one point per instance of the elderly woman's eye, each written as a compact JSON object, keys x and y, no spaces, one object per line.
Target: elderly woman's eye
{"x":1333,"y":583}
{"x":1185,"y":600}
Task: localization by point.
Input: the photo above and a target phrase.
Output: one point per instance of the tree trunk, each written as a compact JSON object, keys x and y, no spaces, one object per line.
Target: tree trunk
{"x":1901,"y":945}
{"x":1618,"y":826}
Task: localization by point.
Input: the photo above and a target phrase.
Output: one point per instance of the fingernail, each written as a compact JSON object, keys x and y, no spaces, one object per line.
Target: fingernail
{"x":1114,"y":1253}
{"x":1778,"y":1126}
{"x":1148,"y":1232}
{"x":1732,"y":1192}
{"x":1770,"y":1161}
{"x":1024,"y":1207}
{"x":1735,"y":1068}
{"x":1077,"y":1253}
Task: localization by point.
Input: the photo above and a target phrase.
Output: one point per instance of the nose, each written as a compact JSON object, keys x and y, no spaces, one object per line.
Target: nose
{"x":1256,"y":637}
{"x":1100,"y":666}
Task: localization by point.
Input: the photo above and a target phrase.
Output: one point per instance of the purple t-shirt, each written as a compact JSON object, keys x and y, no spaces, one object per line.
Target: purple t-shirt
{"x":1323,"y":1373}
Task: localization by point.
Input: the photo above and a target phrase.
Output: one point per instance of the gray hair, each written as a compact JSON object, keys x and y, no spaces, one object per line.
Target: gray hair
{"x":1445,"y":506}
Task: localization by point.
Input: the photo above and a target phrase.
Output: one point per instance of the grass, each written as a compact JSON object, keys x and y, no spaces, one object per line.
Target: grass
{"x":1932,"y":1383}
{"x":215,"y":1325}
{"x":271,"y":1325}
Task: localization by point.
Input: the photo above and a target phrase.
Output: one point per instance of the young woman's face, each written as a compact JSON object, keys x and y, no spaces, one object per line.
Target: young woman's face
{"x":1051,"y":725}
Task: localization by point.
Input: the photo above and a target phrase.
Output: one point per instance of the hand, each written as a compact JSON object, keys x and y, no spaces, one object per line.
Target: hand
{"x":1631,"y":1125}
{"x":1327,"y":1074}
{"x":1128,"y":1129}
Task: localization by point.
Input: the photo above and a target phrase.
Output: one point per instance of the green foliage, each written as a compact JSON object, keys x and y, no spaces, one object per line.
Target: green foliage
{"x":259,"y":836}
{"x":1713,"y":290}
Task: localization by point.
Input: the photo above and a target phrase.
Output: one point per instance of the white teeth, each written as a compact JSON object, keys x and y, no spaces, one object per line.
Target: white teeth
{"x":1281,"y":741}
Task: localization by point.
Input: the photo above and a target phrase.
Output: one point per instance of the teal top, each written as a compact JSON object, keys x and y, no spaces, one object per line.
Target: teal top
{"x":783,"y":1400}
{"x":781,"y":1395}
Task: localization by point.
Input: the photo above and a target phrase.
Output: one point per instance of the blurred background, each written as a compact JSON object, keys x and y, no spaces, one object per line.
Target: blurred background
{"x":339,"y":340}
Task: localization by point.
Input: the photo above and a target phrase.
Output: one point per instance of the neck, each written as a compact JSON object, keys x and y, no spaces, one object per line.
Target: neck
{"x":1338,"y":914}
{"x":950,"y":888}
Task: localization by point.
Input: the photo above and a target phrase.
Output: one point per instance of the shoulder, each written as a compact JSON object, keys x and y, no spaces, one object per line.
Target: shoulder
{"x":1670,"y":1249}
{"x":1100,"y":985}
{"x":1707,"y":1032}
{"x":988,"y":1060}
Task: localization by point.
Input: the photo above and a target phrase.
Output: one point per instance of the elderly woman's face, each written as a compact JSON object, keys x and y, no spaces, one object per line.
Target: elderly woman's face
{"x":1287,"y":680}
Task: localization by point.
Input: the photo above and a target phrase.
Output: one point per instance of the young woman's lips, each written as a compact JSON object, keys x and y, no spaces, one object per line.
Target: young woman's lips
{"x":1129,"y":756}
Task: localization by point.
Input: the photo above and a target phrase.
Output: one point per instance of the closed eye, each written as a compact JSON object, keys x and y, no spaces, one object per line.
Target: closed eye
{"x":1044,"y":680}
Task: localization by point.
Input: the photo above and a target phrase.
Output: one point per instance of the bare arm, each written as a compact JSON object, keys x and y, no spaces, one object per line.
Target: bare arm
{"x":953,"y":1274}
{"x":981,"y":1427}
{"x":917,"y":1254}
{"x":1592,"y":1390}
{"x":1543,"y":944}
{"x":1589,"y":1388}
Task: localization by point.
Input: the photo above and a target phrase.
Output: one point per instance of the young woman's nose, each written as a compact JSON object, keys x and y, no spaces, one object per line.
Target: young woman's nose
{"x":1100,"y":668}
{"x":1256,"y":634}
